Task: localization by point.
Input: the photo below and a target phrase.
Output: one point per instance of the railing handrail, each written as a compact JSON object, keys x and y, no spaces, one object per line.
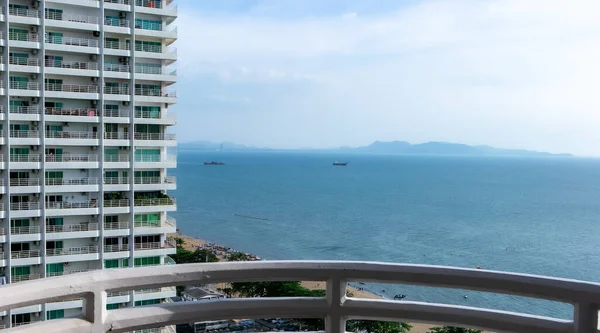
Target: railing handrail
{"x":24,"y":109}
{"x":24,"y":182}
{"x":71,"y":205}
{"x":71,"y":181}
{"x":71,"y":158}
{"x":116,"y":113}
{"x":71,"y":64}
{"x":84,"y":226}
{"x":21,"y":61}
{"x":335,"y":306}
{"x":74,"y":41}
{"x":87,"y":112}
{"x":77,"y":88}
{"x":72,"y":17}
{"x":155,"y":202}
{"x":117,"y":203}
{"x":31,"y":205}
{"x":23,"y":12}
{"x":90,"y":249}
{"x":116,"y":158}
{"x":71,"y":135}
{"x":24,"y":133}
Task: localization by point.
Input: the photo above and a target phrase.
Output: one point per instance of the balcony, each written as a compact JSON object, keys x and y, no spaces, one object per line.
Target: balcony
{"x":91,"y":249}
{"x":25,"y":277}
{"x":150,"y":117}
{"x":149,"y":161}
{"x":87,"y":184}
{"x":155,"y":137}
{"x":116,"y":22}
{"x":24,"y":206}
{"x":117,"y":68}
{"x":72,"y":228}
{"x":66,"y":208}
{"x":155,"y":183}
{"x":25,"y":230}
{"x":25,"y":185}
{"x":155,"y":73}
{"x":86,"y":115}
{"x":117,"y":114}
{"x":24,"y":39}
{"x":71,"y":161}
{"x":28,"y":137}
{"x":117,"y":161}
{"x":80,"y":91}
{"x":335,"y":307}
{"x":26,"y":161}
{"x":116,"y":90}
{"x":21,"y":61}
{"x":67,"y":138}
{"x":23,"y":12}
{"x":24,"y":110}
{"x":76,"y":68}
{"x":116,"y":248}
{"x":56,"y":16}
{"x":72,"y":44}
{"x":168,"y":244}
{"x":18,"y":85}
{"x":25,"y":254}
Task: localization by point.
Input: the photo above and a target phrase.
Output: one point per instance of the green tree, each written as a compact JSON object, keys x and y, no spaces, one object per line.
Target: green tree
{"x":452,"y":329}
{"x":371,"y":326}
{"x":274,"y":289}
{"x":183,"y":256}
{"x":238,"y":256}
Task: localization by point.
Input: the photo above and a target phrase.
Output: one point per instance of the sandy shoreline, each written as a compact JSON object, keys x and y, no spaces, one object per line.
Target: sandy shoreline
{"x":191,"y":244}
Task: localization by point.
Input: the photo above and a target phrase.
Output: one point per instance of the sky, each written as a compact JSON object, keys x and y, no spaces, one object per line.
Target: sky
{"x":316,"y":73}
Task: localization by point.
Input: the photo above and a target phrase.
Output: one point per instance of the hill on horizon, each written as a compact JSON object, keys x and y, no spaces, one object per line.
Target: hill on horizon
{"x":390,"y":147}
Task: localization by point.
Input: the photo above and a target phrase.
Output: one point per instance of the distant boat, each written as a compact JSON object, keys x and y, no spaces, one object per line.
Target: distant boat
{"x":336,"y":163}
{"x":214,"y":163}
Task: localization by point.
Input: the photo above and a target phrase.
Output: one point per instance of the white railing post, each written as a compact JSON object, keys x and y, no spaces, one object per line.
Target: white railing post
{"x":335,"y":322}
{"x":586,"y":317}
{"x":94,"y":310}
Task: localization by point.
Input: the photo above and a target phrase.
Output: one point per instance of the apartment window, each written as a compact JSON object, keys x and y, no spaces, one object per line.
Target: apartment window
{"x":112,"y":20}
{"x":54,"y":269}
{"x":148,"y":239}
{"x":54,"y":37}
{"x":18,"y":34}
{"x":147,"y":155}
{"x":113,"y":263}
{"x":148,"y":3}
{"x":16,"y":247}
{"x":147,"y":46}
{"x":18,"y":82}
{"x":54,"y":221}
{"x":147,"y":128}
{"x":19,"y":127}
{"x":147,"y":302}
{"x":54,"y":14}
{"x":147,"y":112}
{"x":54,"y":245}
{"x":55,"y":314}
{"x":53,"y":84}
{"x":19,"y":223}
{"x":54,"y":175}
{"x":15,"y":176}
{"x":112,"y":306}
{"x":19,"y":199}
{"x":21,"y":318}
{"x":147,"y":174}
{"x":147,"y":89}
{"x":54,"y":61}
{"x":111,"y":43}
{"x":23,"y":270}
{"x":19,"y":151}
{"x":147,"y":261}
{"x":54,"y":198}
{"x":152,"y":220}
{"x":18,"y":58}
{"x":148,"y":24}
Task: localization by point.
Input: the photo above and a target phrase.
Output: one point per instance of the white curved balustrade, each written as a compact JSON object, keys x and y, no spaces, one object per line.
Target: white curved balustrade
{"x":336,"y":308}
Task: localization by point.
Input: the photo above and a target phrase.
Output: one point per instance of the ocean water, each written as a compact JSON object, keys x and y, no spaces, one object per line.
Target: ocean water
{"x":529,"y":215}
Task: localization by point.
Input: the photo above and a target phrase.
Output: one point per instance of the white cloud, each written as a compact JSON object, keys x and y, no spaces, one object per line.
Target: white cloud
{"x":512,"y":73}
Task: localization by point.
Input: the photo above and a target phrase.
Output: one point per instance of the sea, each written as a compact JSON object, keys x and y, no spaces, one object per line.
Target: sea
{"x":528,"y":215}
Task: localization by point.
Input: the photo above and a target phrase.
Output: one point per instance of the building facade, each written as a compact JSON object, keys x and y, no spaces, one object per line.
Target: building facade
{"x":84,"y":148}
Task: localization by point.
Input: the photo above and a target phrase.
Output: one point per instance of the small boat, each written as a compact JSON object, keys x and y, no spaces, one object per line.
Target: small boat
{"x":214,"y":163}
{"x":336,"y":163}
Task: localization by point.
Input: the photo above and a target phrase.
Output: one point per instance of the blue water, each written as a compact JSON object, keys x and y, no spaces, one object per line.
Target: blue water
{"x":535,"y":215}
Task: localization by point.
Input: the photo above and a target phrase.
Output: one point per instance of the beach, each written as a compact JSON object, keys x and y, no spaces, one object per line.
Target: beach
{"x":191,"y":244}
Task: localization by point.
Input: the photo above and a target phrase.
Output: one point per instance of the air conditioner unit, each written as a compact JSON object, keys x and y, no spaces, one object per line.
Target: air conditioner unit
{"x":35,"y":171}
{"x":93,"y":147}
{"x":84,"y":193}
{"x":34,"y":76}
{"x":94,"y":79}
{"x":93,"y":57}
{"x":36,"y":195}
{"x":83,"y":170}
{"x":122,"y":15}
{"x":94,"y":102}
{"x":125,"y":103}
{"x":34,"y":51}
{"x":35,"y":100}
{"x":35,"y":148}
{"x":96,"y":33}
{"x":33,"y":28}
{"x":65,"y":123}
{"x":34,"y":123}
{"x":36,"y":243}
{"x":95,"y":239}
{"x":122,"y":148}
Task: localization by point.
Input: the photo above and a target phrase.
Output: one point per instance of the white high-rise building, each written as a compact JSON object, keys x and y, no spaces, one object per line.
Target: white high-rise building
{"x":84,"y":86}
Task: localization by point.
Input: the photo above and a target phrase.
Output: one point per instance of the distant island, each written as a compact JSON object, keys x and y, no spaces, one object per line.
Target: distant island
{"x":379,"y":147}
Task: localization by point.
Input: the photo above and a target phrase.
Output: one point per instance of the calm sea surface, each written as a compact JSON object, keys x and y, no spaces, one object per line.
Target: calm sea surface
{"x":536,"y":215}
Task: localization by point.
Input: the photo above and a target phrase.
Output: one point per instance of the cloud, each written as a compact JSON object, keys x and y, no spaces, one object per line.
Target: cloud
{"x":510,"y":73}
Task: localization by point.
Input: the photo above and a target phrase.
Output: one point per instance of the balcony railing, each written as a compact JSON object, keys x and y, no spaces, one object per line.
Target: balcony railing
{"x":71,"y":158}
{"x":156,"y":158}
{"x":116,"y":203}
{"x":154,"y":180}
{"x":116,"y":135}
{"x":75,"y":88}
{"x":116,"y":67}
{"x":335,"y":307}
{"x":25,"y":158}
{"x":71,"y":135}
{"x":21,"y":61}
{"x":155,"y":202}
{"x":72,"y":251}
{"x":116,"y":225}
{"x":25,"y":230}
{"x":71,"y":64}
{"x":23,"y":37}
{"x":24,"y":134}
{"x":121,"y":2}
{"x":72,"y":227}
{"x":116,"y":180}
{"x":149,"y":3}
{"x":73,"y":41}
{"x":23,"y":85}
{"x":154,"y":92}
{"x":109,"y":44}
{"x":71,"y":181}
{"x":32,"y":205}
{"x":116,"y":22}
{"x":82,"y":112}
{"x":157,"y":70}
{"x":50,"y":274}
{"x":116,"y":158}
{"x":154,"y":115}
{"x":58,"y":16}
{"x":115,"y":113}
{"x":24,"y":109}
{"x":154,"y":246}
{"x":116,"y":90}
{"x":71,"y":205}
{"x":24,"y":182}
{"x":23,"y":12}
{"x":116,"y":248}
{"x":154,"y":136}
{"x":24,"y":254}
{"x":25,"y":277}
